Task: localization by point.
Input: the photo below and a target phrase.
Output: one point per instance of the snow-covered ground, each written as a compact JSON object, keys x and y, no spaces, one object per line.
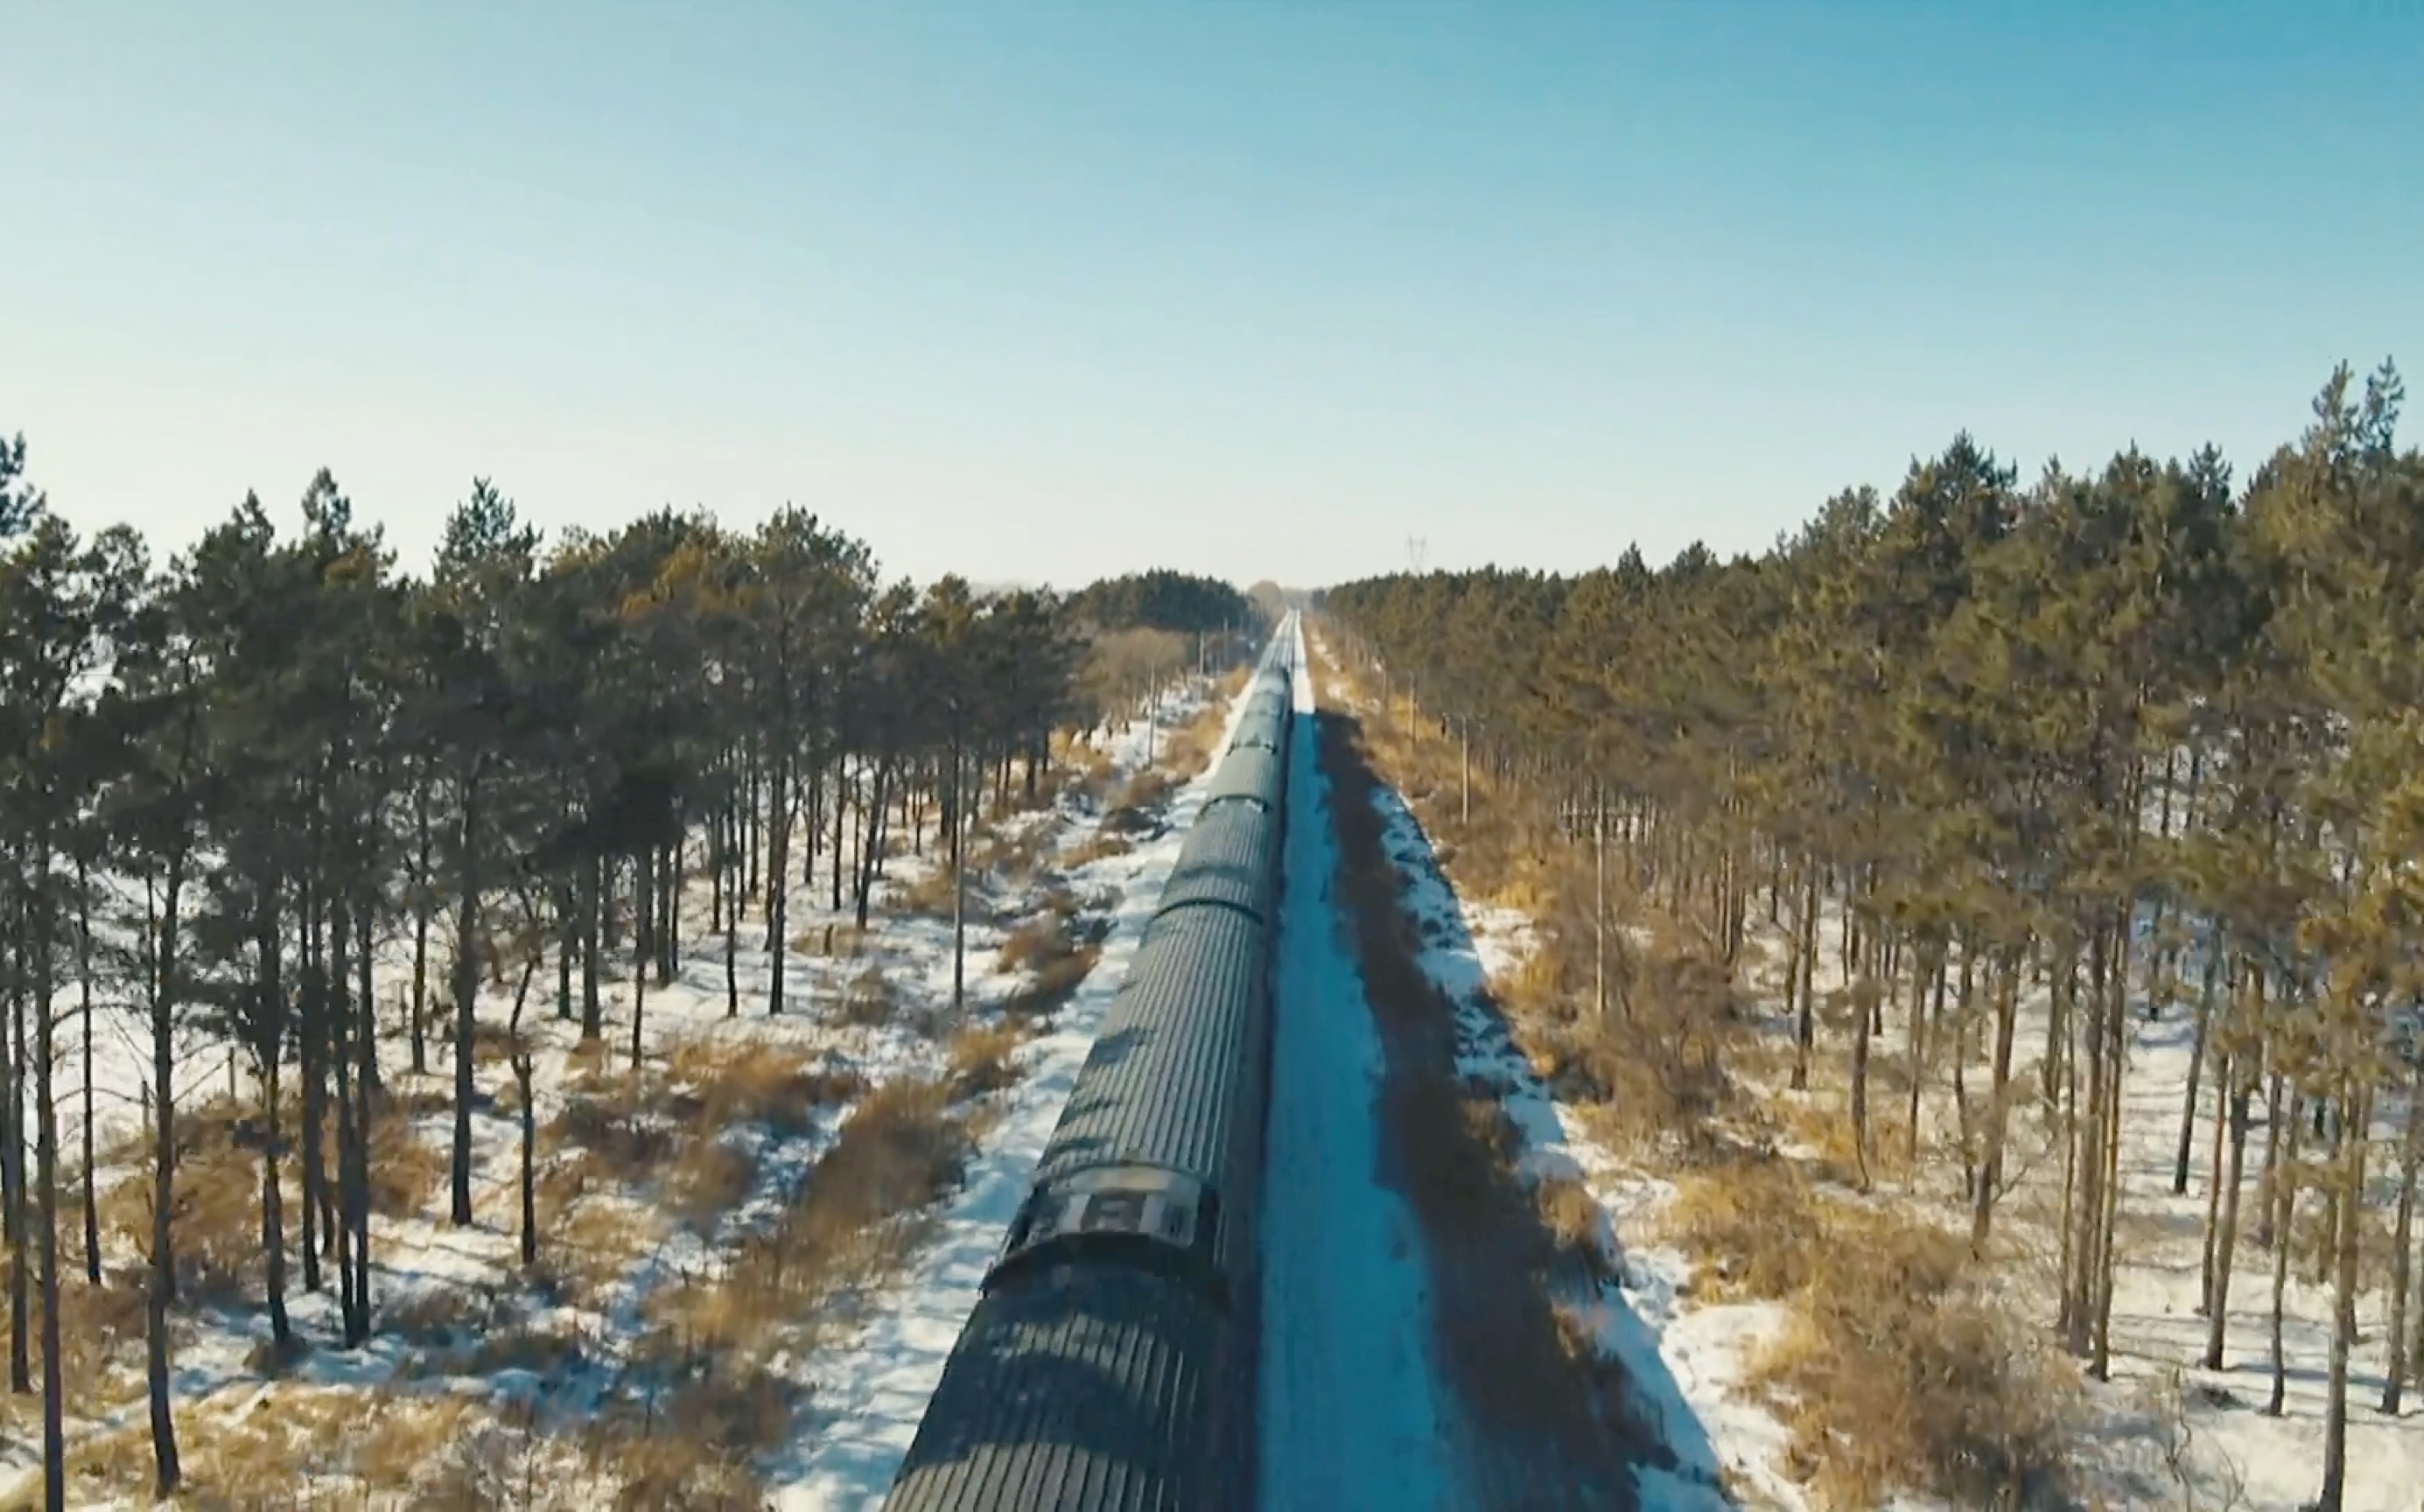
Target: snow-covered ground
{"x":1351,"y":1415}
{"x":1691,"y":1359}
{"x":870,"y":1389}
{"x":879,"y":1382}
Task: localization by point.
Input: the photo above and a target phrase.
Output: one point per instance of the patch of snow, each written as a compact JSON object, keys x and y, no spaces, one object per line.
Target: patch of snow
{"x":871,"y":1392}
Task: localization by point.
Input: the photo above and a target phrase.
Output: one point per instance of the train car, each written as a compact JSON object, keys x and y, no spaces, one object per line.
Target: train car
{"x":1108,"y":1365}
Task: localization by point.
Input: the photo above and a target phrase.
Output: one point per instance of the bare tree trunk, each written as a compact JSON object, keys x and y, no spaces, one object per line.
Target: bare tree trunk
{"x":523,"y":1069}
{"x":1931,"y":964}
{"x":567,"y":945}
{"x":2411,"y":1152}
{"x":778,"y":884}
{"x":46,"y":1188}
{"x":640,"y":968}
{"x":669,"y":943}
{"x":1963,"y":1016}
{"x":873,"y":824}
{"x":466,"y":988}
{"x":364,"y":912}
{"x":421,"y":902}
{"x":2116,"y":1054}
{"x":163,"y":1183}
{"x":644,"y":909}
{"x":1599,"y":901}
{"x":592,"y":1010}
{"x":311,"y":1067}
{"x":1806,"y":1031}
{"x":349,"y":1129}
{"x":522,"y":1077}
{"x":269,"y":1040}
{"x":844,"y":789}
{"x":84,"y":1013}
{"x":2196,"y":1066}
{"x":749,"y":824}
{"x":2274,"y":1112}
{"x":2285,"y":1187}
{"x":2070,"y":1316}
{"x":2229,"y":1110}
{"x":12,"y":1142}
{"x":727,"y":866}
{"x":366,"y":1091}
{"x":1990,"y":1175}
{"x":2226,"y":1251}
{"x":273,"y":1200}
{"x":957,"y":817}
{"x":1864,"y":1000}
{"x":2356,"y":1101}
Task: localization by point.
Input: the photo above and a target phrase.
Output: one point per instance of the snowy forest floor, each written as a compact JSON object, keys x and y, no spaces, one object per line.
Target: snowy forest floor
{"x":754,"y":1251}
{"x":1730,"y":1274}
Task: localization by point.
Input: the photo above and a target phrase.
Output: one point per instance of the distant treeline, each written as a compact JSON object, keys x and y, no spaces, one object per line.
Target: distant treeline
{"x":1163,"y":600}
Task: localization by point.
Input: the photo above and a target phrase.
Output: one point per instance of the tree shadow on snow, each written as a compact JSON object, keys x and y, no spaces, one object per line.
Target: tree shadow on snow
{"x":1563,"y":1383}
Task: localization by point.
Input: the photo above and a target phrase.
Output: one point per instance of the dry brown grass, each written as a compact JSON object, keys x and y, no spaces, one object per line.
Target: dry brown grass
{"x":399,"y":1438}
{"x":711,"y":1178}
{"x":620,"y":1134}
{"x":271,"y":1457}
{"x":980,"y":1058}
{"x":586,"y":1242}
{"x":1135,"y":806}
{"x":1035,"y":942}
{"x":215,"y":1219}
{"x":1903,"y":1370}
{"x":100,"y":1340}
{"x":1574,"y":1221}
{"x":1095,"y":771}
{"x":1054,"y":983}
{"x":1057,"y":949}
{"x":869,"y":1000}
{"x":1751,"y":1228}
{"x":929,"y":894}
{"x":845,"y":942}
{"x":721,"y":1081}
{"x":438,"y":1316}
{"x":406,"y":1168}
{"x":1016,"y":856}
{"x":1192,"y":746}
{"x":591,"y":1229}
{"x":851,"y":1224}
{"x":1098,"y":846}
{"x":664,"y":1467}
{"x":1656,"y":1075}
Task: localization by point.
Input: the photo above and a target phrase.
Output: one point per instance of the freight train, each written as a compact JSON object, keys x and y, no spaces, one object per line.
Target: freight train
{"x":1109,"y":1363}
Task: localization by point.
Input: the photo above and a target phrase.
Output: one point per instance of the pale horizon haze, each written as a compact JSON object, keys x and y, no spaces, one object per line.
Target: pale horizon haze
{"x":1048,"y":291}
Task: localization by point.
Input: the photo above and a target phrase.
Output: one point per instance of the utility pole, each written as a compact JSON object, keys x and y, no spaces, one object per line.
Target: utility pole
{"x":1464,"y":757}
{"x":1599,"y":898}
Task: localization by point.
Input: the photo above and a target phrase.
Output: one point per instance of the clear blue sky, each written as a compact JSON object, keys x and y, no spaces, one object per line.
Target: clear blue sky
{"x":1043,"y":291}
